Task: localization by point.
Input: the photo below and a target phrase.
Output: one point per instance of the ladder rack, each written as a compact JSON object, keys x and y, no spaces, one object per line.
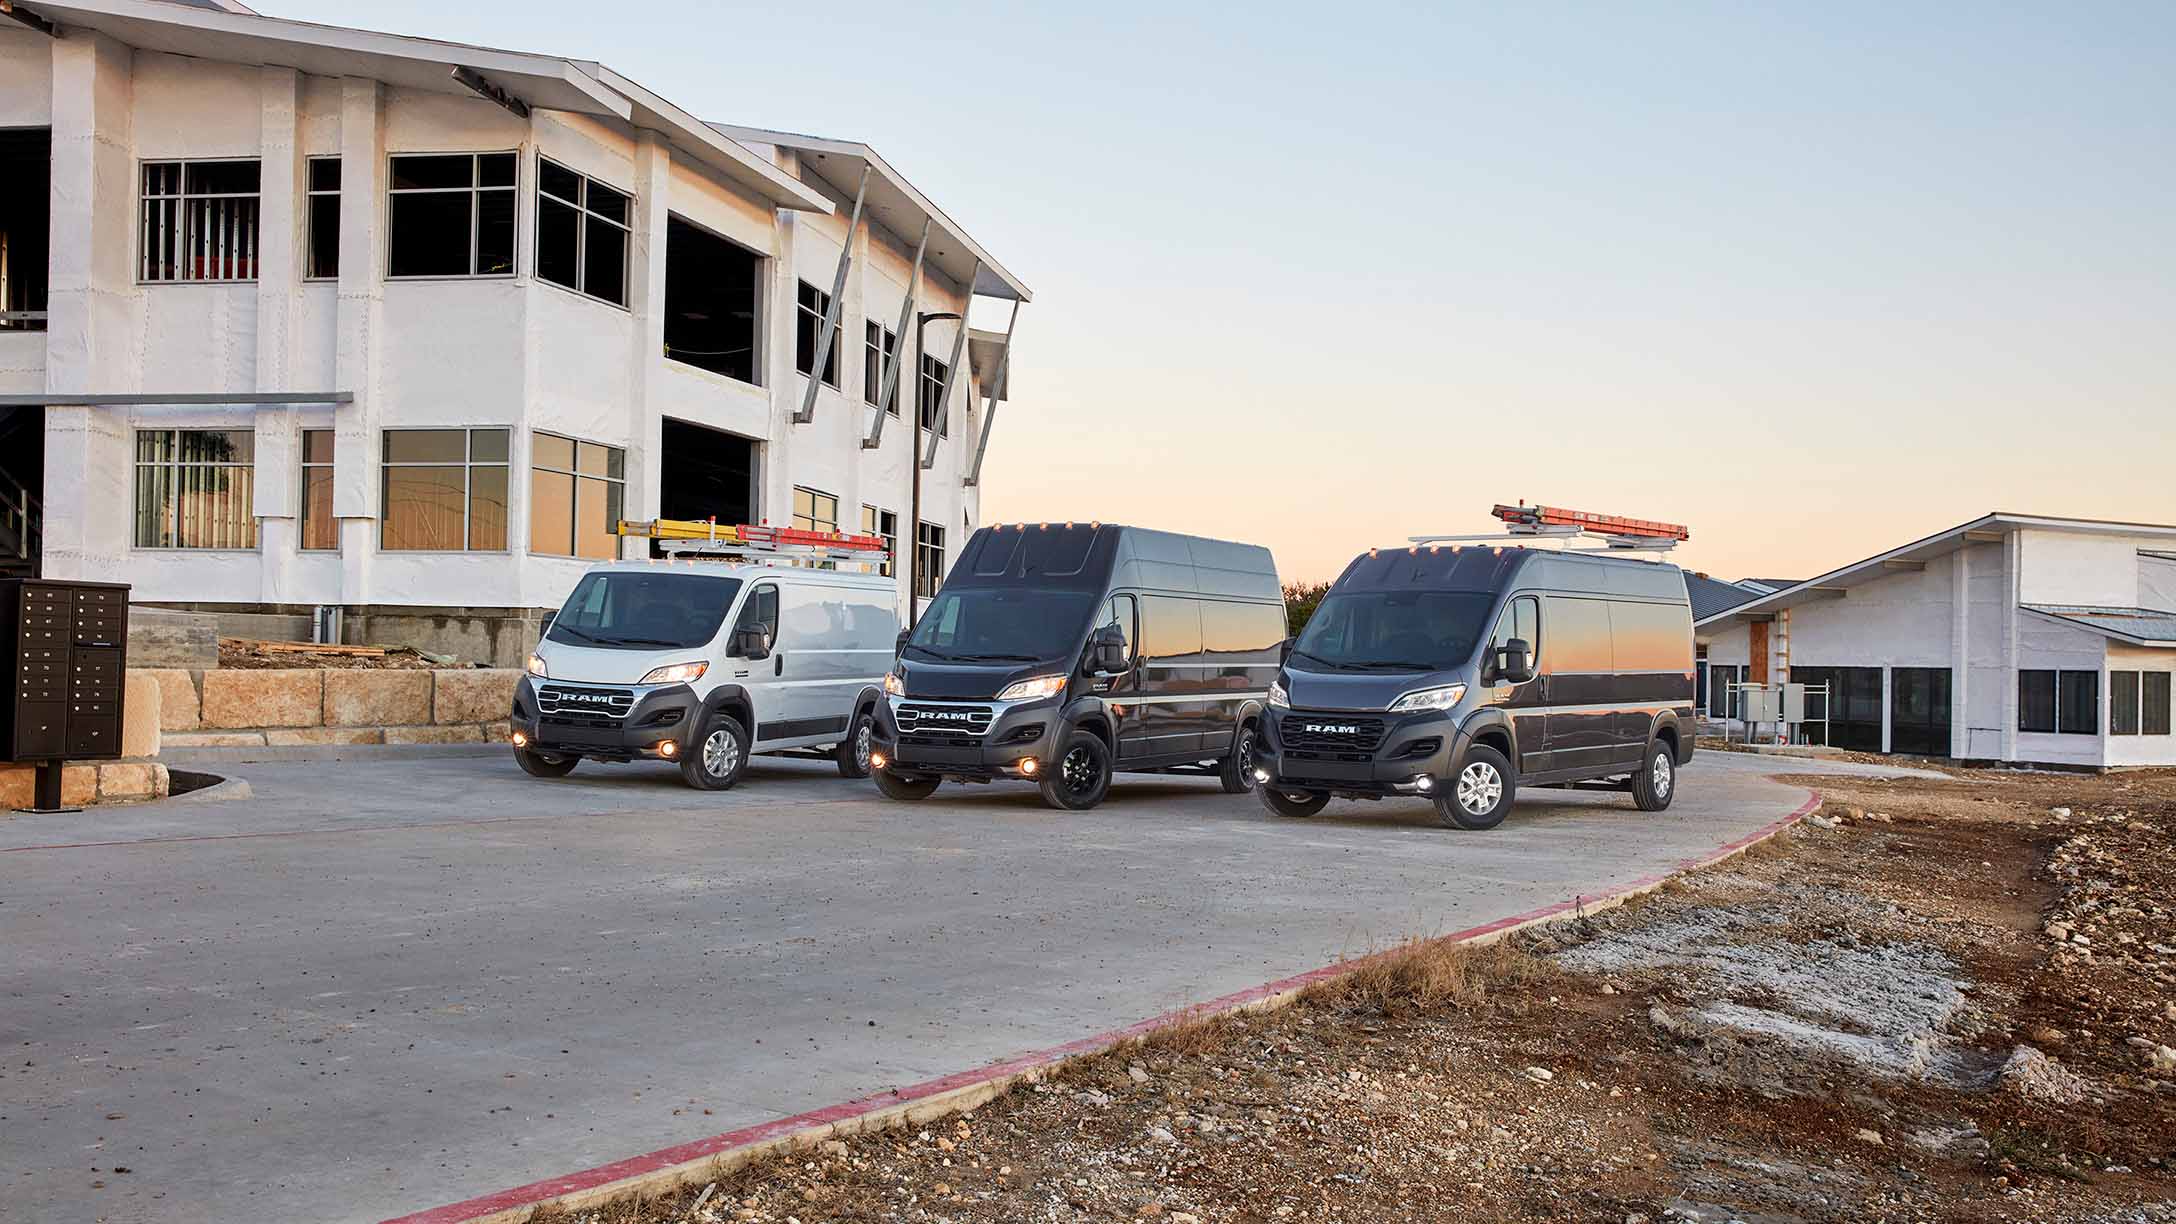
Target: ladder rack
{"x":757,"y":544}
{"x":1617,"y":535}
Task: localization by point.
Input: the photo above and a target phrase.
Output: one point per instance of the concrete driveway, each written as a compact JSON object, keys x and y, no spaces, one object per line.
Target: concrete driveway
{"x":391,"y":982}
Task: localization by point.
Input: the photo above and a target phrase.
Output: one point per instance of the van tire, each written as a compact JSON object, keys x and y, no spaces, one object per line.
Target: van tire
{"x":1293,"y":803}
{"x":853,"y":754}
{"x":1237,"y":773}
{"x":1081,"y":776}
{"x":1654,"y":786}
{"x":1480,"y":793}
{"x":542,"y":766}
{"x":895,"y":787}
{"x":719,"y":755}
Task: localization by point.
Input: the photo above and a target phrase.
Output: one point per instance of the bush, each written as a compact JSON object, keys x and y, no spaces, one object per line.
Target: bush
{"x":1300,"y":601}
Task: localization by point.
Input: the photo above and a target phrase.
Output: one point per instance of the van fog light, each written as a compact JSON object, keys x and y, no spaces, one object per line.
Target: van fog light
{"x":520,"y":740}
{"x":1261,"y":775}
{"x":877,"y":761}
{"x":668,"y":749}
{"x":1424,"y":783}
{"x":1028,"y":766}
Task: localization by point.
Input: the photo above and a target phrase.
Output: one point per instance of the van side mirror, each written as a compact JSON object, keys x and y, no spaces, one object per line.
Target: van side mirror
{"x":1515,"y":661}
{"x":1107,"y":651}
{"x":899,"y":644}
{"x":1284,"y":651}
{"x":751,"y":642}
{"x":545,"y":626}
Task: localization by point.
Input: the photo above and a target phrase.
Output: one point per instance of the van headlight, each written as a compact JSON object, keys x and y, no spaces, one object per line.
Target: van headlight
{"x":894,"y":685}
{"x":536,"y":665}
{"x":675,"y":673}
{"x":1278,"y":698}
{"x":1034,"y":688}
{"x":1429,"y":699}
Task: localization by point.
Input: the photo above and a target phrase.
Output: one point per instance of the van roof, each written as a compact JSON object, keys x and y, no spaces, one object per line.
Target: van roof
{"x":1104,"y":555}
{"x":717,"y":569}
{"x":1485,"y":567}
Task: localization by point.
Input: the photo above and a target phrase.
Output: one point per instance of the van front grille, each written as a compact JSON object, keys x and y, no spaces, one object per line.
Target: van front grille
{"x":1330,"y":733}
{"x":933,"y":723}
{"x":587,"y":704}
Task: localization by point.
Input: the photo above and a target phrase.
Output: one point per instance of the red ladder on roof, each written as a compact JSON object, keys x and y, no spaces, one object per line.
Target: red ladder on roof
{"x":1604,"y":524}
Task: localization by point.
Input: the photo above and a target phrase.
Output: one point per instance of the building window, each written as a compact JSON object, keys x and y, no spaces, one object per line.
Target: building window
{"x":451,"y":214}
{"x":712,"y":288}
{"x":444,"y":490}
{"x":2077,"y":702}
{"x":814,"y":305}
{"x":815,"y":511}
{"x":2122,"y":703}
{"x":320,"y":530}
{"x":577,"y":494}
{"x":199,"y":221}
{"x":931,"y":398}
{"x":321,"y":182}
{"x":195,"y":488}
{"x":2036,"y":701}
{"x":928,"y":559}
{"x":2153,"y":705}
{"x":879,"y":345}
{"x":884,"y":525}
{"x":581,"y":233}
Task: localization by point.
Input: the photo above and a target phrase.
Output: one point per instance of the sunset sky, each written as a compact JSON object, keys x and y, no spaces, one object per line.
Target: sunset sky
{"x":1814,"y":279}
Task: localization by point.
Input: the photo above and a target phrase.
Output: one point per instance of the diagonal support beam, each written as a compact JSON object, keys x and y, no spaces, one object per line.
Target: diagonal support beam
{"x":899,"y":350}
{"x":836,"y":306}
{"x":989,"y":407}
{"x":951,"y":372}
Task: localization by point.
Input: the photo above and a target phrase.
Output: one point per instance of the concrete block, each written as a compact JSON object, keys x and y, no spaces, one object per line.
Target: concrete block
{"x":140,"y":715}
{"x":298,"y":736}
{"x":214,"y":739}
{"x":467,"y":733}
{"x":131,"y":780}
{"x":17,"y":785}
{"x":473,"y":695}
{"x":179,"y":707}
{"x":377,"y":698}
{"x":281,"y":697}
{"x":163,"y":637}
{"x":79,"y":785}
{"x":499,"y":732}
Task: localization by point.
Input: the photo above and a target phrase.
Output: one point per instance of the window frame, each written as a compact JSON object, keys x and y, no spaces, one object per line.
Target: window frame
{"x":468,"y":486}
{"x":474,"y":190}
{"x":814,"y":494}
{"x":574,"y":473}
{"x":173,"y":465}
{"x":583,"y":216}
{"x":872,"y":524}
{"x":2065,"y":679}
{"x":822,"y":306}
{"x":873,"y":353}
{"x":180,"y":200}
{"x":310,"y":196}
{"x":2118,"y":708}
{"x":932,"y":387}
{"x":306,"y":466}
{"x":759,"y":284}
{"x":928,"y":578}
{"x":2153,"y":720}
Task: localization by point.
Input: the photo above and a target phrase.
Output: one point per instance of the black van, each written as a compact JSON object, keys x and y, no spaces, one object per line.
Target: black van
{"x":1059,"y":654}
{"x":1458,"y":673}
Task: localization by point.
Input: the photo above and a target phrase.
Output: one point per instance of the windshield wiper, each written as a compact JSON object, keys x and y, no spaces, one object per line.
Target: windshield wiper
{"x":1393,"y":665}
{"x":1301,"y":654}
{"x":569,"y":629}
{"x":934,"y":654}
{"x":999,"y":658}
{"x":636,"y":642}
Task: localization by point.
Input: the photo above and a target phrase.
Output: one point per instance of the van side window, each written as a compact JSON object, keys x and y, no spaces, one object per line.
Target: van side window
{"x":1170,"y":629}
{"x":1579,"y":637}
{"x":1121,"y":613}
{"x":1651,"y":637}
{"x":760,"y":612}
{"x":1230,"y":630}
{"x":1521,"y":620}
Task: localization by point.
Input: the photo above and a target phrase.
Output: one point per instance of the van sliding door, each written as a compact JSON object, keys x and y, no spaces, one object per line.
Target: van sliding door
{"x":1581,"y":730}
{"x":1165,"y":699}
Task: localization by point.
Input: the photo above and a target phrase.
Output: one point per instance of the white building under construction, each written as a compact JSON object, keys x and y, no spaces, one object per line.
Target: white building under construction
{"x":300,"y":316}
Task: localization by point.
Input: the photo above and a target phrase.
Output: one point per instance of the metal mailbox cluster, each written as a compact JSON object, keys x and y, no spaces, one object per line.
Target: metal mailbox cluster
{"x":66,"y":657}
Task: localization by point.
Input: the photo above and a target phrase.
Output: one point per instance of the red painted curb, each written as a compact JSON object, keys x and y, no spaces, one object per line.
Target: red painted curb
{"x":715,"y":1145}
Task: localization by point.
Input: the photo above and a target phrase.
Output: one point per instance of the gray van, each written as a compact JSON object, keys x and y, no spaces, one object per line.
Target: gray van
{"x":1458,"y":674}
{"x":1060,"y":655}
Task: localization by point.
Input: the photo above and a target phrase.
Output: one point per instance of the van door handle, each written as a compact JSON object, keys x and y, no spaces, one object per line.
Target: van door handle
{"x":778,"y":664}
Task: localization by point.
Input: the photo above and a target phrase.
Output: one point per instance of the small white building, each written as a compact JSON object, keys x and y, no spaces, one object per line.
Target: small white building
{"x":302,"y":316}
{"x":2011,"y":638}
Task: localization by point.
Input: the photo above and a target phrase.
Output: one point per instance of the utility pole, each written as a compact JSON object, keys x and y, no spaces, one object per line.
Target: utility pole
{"x":914,"y":469}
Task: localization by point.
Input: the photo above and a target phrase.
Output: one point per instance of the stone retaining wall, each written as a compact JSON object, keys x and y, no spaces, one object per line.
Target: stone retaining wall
{"x":85,"y":784}
{"x":244,"y":707}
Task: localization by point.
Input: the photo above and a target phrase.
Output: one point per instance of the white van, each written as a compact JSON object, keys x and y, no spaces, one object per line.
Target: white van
{"x":705,"y":664}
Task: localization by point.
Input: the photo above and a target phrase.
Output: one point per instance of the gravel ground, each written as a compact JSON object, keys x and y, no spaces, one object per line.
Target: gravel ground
{"x":1937,"y":1000}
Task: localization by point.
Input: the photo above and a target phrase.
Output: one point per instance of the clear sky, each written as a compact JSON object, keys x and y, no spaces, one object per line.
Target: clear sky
{"x":1812,"y":279}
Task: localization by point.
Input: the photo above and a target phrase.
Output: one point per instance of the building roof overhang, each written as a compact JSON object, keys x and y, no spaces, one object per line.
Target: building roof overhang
{"x":2137,"y":626}
{"x":1987,"y":528}
{"x":544,"y":82}
{"x":893,"y":203}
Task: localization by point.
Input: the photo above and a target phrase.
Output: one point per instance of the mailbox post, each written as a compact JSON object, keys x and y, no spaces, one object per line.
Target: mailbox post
{"x":65,"y":662}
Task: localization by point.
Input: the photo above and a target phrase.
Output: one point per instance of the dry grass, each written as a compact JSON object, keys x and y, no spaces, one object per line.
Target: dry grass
{"x":1425,"y":976}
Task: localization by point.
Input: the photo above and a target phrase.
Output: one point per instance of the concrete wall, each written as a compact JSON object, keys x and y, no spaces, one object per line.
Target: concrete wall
{"x":2043,"y":643}
{"x":516,"y":351}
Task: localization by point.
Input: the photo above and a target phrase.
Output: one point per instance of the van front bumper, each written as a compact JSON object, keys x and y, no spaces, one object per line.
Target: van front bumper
{"x":976,"y":739}
{"x":656,"y":714}
{"x":1409,"y":747}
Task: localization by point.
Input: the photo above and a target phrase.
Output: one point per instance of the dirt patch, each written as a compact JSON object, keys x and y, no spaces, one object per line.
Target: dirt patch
{"x":1871,"y":1017}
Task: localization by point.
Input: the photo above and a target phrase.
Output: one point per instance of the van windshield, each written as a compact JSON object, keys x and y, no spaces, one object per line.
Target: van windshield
{"x":640,"y":610}
{"x":1395,"y":630}
{"x":1002,"y":624}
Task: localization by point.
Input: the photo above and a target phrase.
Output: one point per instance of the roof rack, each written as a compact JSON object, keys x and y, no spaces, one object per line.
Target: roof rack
{"x":1618,"y":535}
{"x":757,"y":543}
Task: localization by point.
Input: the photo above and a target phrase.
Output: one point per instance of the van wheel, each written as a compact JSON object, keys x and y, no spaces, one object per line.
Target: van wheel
{"x":718,"y":757}
{"x":1081,"y":777}
{"x":855,"y":748}
{"x":1480,"y":796}
{"x":896,"y":787}
{"x":1237,"y":775}
{"x":1294,"y":803}
{"x":1654,"y":786}
{"x":537,"y":766}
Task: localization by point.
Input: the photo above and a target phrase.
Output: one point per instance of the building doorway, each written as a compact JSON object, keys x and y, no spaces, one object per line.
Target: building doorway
{"x":1854,"y":707}
{"x":704,"y":473}
{"x":1919,"y":710}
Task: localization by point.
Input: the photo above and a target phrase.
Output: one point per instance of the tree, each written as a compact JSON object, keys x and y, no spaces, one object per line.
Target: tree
{"x":1300,"y":601}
